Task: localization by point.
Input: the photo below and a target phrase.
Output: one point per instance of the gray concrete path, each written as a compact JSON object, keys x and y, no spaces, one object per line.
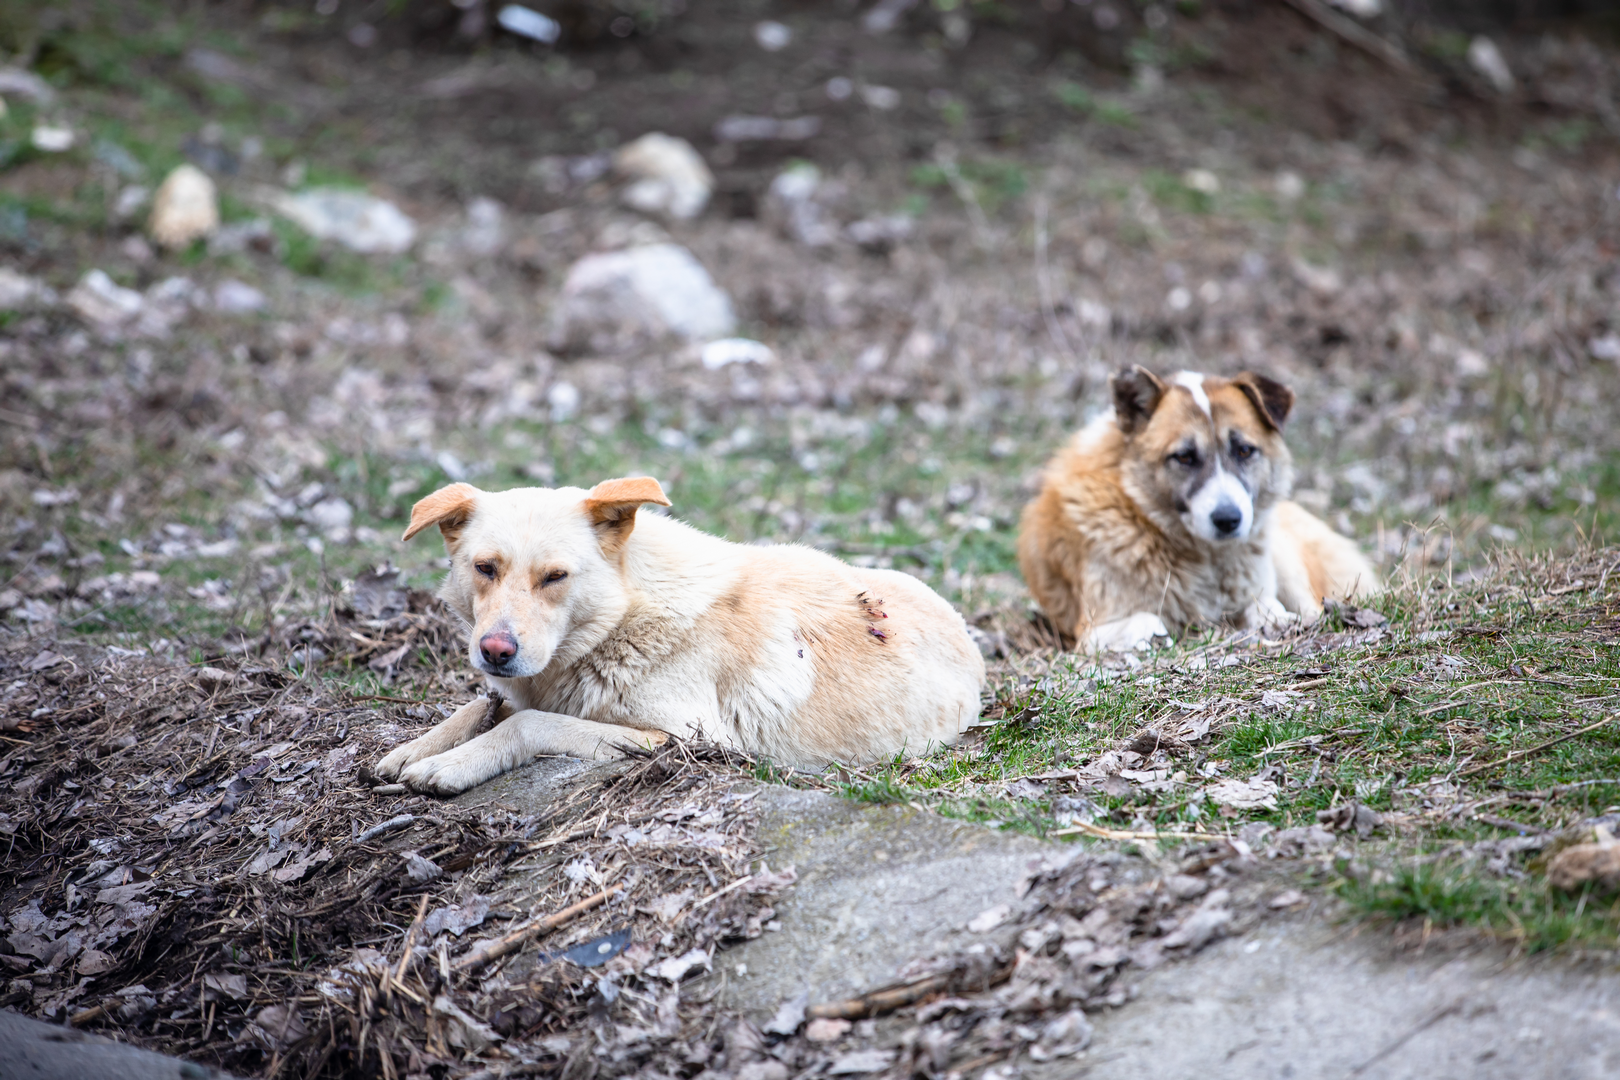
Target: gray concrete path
{"x":1302,"y":999}
{"x":32,"y":1050}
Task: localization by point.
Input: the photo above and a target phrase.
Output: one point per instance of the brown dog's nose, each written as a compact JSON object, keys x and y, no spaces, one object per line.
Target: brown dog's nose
{"x":497,"y":648}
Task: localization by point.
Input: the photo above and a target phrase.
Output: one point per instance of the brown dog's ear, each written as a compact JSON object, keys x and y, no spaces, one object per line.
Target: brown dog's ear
{"x":1271,"y":399}
{"x":611,"y":507}
{"x":448,"y":508}
{"x":1136,"y":394}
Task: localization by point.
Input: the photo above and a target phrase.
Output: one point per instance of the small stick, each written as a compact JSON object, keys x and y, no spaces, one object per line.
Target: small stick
{"x":1355,"y":34}
{"x":878,"y":1002}
{"x":410,"y":938}
{"x":1126,"y":834}
{"x":483,"y":954}
{"x":388,"y":826}
{"x":1517,"y":754}
{"x":721,"y":892}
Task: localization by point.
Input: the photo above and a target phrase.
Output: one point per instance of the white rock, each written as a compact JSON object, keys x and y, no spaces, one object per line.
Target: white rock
{"x":103,"y":303}
{"x":790,"y":205}
{"x":1361,"y":9}
{"x":736,"y":350}
{"x":185,"y":208}
{"x":130,"y":200}
{"x":1289,"y":185}
{"x":331,"y":515}
{"x":667,"y":176}
{"x":564,"y":399}
{"x":1486,"y":59}
{"x":51,"y":139}
{"x":1201,"y":180}
{"x":772,"y":36}
{"x":19,"y":291}
{"x":485,"y":232}
{"x":237,"y":298}
{"x":25,"y":84}
{"x":1606,"y":347}
{"x":615,"y":298}
{"x":529,"y":23}
{"x":358,"y":221}
{"x":881,"y":98}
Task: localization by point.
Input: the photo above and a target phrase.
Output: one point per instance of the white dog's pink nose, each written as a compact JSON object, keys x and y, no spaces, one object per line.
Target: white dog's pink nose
{"x":497,"y":648}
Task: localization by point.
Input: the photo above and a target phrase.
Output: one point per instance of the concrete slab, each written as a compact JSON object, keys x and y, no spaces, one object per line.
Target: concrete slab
{"x":38,"y":1051}
{"x":1302,"y":999}
{"x":878,"y":887}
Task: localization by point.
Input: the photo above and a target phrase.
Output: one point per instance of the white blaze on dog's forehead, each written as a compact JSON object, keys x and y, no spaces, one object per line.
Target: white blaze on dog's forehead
{"x":1194,"y":384}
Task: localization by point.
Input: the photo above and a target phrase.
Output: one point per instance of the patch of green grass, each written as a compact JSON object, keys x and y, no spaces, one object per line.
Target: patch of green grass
{"x":1445,"y":895}
{"x":1170,"y":191}
{"x":1074,"y":96}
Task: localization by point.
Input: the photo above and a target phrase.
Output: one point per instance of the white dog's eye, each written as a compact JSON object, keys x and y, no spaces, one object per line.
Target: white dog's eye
{"x":485,"y":568}
{"x":554,"y":576}
{"x":1241,"y":450}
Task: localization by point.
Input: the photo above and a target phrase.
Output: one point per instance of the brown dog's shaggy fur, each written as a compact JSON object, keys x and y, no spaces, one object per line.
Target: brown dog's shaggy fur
{"x":1172,"y":511}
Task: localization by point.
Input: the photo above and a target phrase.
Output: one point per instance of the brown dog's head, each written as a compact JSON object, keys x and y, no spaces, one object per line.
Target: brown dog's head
{"x":1205,"y":451}
{"x":536,"y":572}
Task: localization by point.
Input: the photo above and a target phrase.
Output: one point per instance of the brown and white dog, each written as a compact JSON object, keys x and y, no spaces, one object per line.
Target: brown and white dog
{"x":1171,"y":511}
{"x":603,"y":631}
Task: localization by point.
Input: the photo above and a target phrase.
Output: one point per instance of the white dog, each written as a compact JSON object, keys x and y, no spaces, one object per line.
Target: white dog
{"x":603,"y":631}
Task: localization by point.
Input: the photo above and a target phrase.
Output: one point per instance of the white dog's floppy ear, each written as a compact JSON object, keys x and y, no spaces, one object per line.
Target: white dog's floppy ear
{"x":611,"y":507}
{"x":1271,"y":399}
{"x":448,"y":508}
{"x":1136,"y":394}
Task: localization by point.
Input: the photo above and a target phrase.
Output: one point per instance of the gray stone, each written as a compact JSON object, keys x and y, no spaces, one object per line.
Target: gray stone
{"x":1300,"y":998}
{"x":357,"y":221}
{"x":615,"y":299}
{"x":39,"y":1051}
{"x":879,"y":886}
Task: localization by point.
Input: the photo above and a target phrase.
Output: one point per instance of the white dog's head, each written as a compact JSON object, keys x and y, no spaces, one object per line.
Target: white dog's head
{"x":536,"y":572}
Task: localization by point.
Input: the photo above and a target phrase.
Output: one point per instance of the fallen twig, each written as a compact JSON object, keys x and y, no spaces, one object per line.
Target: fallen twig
{"x":878,"y":1002}
{"x":1518,"y":754}
{"x":388,"y":826}
{"x":484,"y":952}
{"x":1128,"y":834}
{"x":1355,"y":34}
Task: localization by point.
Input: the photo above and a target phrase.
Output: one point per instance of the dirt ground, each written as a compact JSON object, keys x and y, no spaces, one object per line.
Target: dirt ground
{"x":210,"y":632}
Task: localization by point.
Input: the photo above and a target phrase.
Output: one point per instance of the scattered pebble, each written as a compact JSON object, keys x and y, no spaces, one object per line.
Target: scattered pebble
{"x":51,"y":139}
{"x":185,"y":208}
{"x":772,"y":36}
{"x":667,"y":176}
{"x":610,"y":299}
{"x":354,"y":219}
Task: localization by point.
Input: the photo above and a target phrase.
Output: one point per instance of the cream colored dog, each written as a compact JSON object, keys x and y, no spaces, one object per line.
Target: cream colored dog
{"x":605,"y":631}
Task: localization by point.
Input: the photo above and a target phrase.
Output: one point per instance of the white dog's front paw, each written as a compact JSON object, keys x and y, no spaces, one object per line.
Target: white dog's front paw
{"x":1126,"y":635}
{"x":392,"y":765}
{"x":452,"y":772}
{"x":1268,"y":611}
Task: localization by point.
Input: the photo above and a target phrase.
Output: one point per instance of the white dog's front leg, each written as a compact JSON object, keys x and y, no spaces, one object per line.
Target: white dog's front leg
{"x":517,"y":739}
{"x":1267,"y":611}
{"x":1125,"y":635}
{"x":460,"y":726}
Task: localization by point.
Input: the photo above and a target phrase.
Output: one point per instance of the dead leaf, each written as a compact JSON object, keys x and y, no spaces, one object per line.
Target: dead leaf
{"x":466,"y":1031}
{"x":1576,"y":867}
{"x":95,"y":962}
{"x":421,"y":870}
{"x":219,"y":987}
{"x":456,"y":918}
{"x":675,"y":968}
{"x":827,"y":1029}
{"x":1244,"y":795}
{"x":789,"y":1015}
{"x":277,"y":1027}
{"x":988,"y":919}
{"x":861,"y":1061}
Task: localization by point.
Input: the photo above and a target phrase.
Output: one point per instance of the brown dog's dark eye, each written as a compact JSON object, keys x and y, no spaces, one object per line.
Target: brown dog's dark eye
{"x":554,"y":577}
{"x":1242,"y":450}
{"x":1187,"y":457}
{"x":485,"y":568}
